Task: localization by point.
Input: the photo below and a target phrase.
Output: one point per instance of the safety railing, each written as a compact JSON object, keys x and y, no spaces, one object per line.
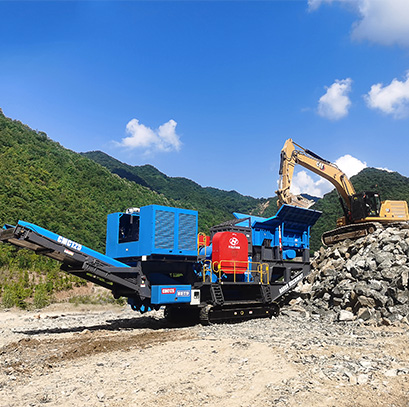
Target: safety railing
{"x":249,"y":269}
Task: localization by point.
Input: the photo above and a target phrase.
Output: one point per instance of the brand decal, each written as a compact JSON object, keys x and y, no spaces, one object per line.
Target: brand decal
{"x":291,"y":283}
{"x":168,"y":290}
{"x":234,"y":243}
{"x":321,"y":166}
{"x":69,"y":243}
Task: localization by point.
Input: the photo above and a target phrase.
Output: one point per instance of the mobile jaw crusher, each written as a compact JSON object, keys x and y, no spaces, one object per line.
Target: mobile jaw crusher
{"x":155,"y":257}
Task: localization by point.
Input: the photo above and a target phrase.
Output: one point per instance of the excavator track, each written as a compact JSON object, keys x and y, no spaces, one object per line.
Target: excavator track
{"x":239,"y":312}
{"x":210,"y":314}
{"x":349,"y":232}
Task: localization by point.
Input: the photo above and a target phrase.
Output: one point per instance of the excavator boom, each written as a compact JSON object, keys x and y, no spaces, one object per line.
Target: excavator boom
{"x":291,"y":156}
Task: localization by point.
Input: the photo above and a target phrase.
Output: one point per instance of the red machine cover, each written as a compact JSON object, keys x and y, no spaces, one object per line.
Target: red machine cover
{"x":230,"y":252}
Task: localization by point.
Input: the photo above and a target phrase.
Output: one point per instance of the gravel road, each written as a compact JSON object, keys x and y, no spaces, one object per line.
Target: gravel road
{"x":89,"y":356}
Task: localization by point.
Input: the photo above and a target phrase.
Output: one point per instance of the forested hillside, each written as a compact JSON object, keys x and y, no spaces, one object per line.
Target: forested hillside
{"x":44,"y":183}
{"x":70,"y":194}
{"x":214,"y":205}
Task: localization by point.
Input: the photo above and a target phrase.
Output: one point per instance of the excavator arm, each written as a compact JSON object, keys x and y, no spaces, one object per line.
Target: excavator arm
{"x":290,"y":156}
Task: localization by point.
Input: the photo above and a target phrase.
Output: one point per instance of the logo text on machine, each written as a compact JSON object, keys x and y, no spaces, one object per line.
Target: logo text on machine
{"x":168,"y":290}
{"x":69,"y":243}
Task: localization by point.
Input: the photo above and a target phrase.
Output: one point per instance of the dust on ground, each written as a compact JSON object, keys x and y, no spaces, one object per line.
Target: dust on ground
{"x":112,"y":356}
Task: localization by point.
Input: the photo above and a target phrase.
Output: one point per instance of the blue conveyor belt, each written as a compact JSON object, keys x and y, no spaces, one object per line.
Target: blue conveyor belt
{"x":68,"y":247}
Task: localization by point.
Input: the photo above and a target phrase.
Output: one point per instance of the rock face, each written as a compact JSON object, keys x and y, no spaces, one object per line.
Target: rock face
{"x":364,"y":279}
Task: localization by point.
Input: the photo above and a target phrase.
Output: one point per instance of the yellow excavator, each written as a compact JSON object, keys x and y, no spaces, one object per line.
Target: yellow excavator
{"x":363,"y":212}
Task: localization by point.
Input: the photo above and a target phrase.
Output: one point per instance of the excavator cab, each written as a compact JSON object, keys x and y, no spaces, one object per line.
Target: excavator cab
{"x":365,"y":204}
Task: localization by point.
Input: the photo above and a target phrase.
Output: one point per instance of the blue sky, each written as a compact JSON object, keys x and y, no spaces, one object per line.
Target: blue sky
{"x":210,"y":90}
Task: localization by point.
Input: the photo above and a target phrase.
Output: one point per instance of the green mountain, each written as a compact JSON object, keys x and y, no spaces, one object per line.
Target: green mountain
{"x":214,"y":205}
{"x":44,"y":183}
{"x":71,"y":194}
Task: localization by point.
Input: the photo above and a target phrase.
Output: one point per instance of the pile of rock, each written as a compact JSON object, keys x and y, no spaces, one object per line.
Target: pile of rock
{"x":364,"y":279}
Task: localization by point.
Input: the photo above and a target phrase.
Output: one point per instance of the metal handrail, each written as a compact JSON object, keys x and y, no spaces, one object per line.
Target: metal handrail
{"x":217,"y":268}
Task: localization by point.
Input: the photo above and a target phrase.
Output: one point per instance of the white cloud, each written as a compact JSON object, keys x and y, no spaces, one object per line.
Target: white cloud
{"x":350,"y":165}
{"x":392,"y":99}
{"x":314,"y":4}
{"x":162,"y":139}
{"x":385,"y":22}
{"x":169,"y":139}
{"x":334,"y":105}
{"x":384,"y":169}
{"x":304,"y":183}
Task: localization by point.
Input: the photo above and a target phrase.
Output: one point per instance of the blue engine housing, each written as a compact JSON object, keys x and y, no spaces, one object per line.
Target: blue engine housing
{"x":154,"y":230}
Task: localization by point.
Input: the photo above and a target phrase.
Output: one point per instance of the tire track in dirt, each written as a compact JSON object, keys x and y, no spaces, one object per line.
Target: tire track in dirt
{"x":29,"y":354}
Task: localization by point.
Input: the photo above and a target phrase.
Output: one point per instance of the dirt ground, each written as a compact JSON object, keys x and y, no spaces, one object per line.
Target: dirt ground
{"x":112,"y":356}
